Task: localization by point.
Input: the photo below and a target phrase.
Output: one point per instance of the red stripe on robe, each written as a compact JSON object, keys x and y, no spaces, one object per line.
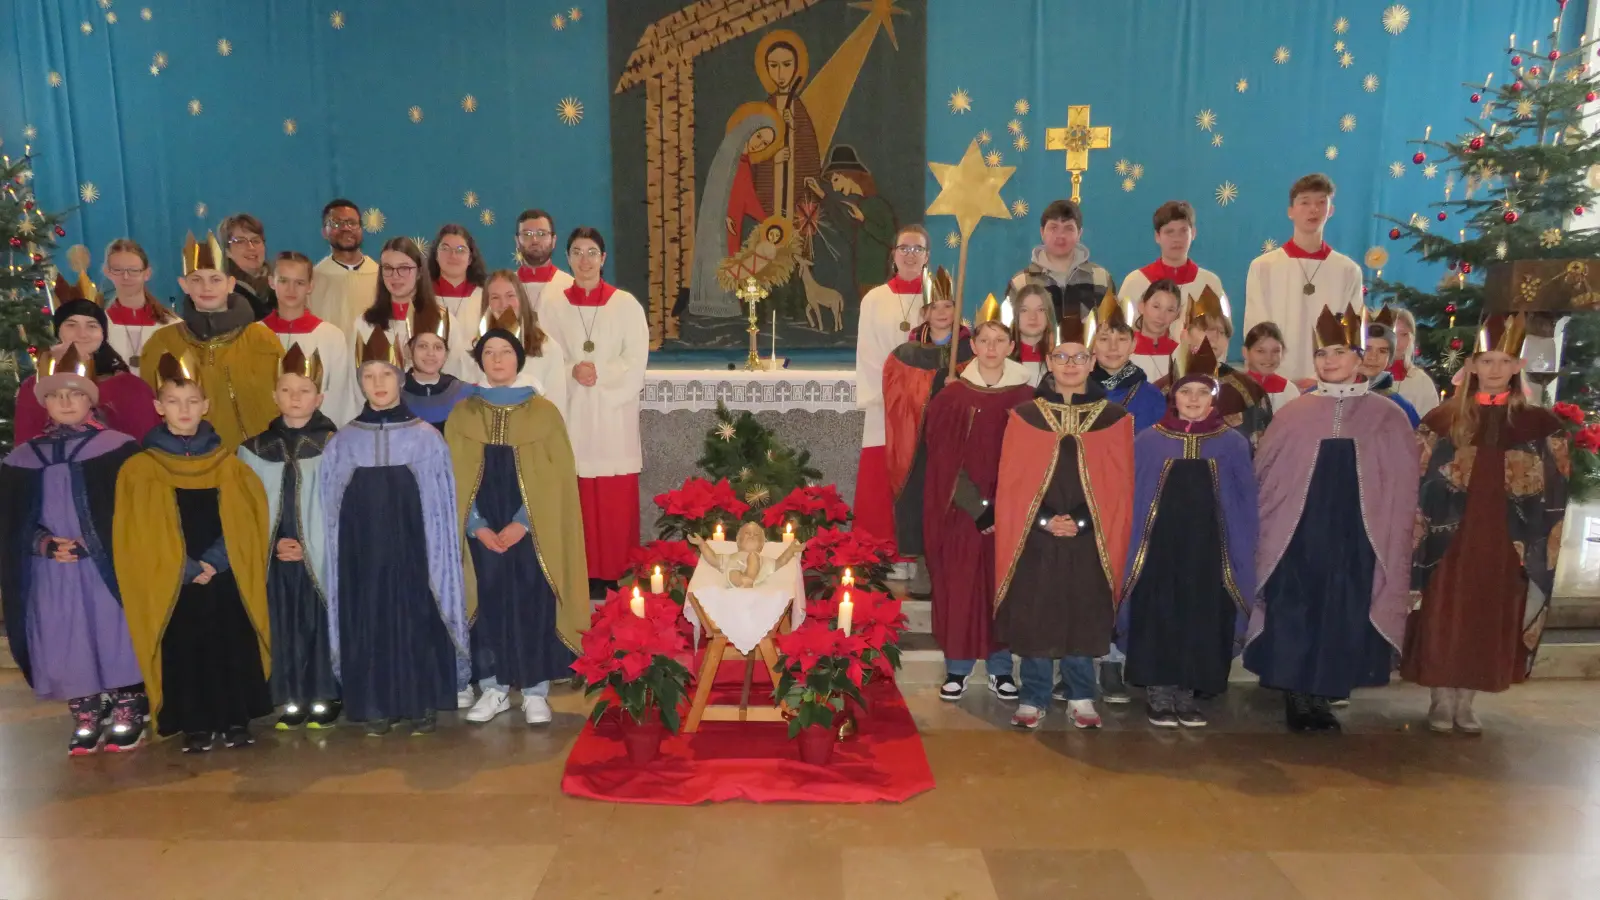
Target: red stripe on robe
{"x":610,"y":523}
{"x":874,"y":504}
{"x":905,"y":397}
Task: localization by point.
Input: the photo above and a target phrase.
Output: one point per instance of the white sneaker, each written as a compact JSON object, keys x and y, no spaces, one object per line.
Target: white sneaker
{"x":465,"y":698}
{"x":902,"y":571}
{"x":1442,"y":710}
{"x":1082,"y":714}
{"x":493,"y":702}
{"x":536,"y":710}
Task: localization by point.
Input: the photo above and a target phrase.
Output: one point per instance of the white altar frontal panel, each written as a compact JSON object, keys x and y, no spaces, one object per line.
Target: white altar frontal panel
{"x":811,"y":390}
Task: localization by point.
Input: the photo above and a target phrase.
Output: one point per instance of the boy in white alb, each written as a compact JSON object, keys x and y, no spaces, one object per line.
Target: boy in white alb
{"x":294,"y":324}
{"x":1291,"y":285}
{"x":536,"y":241}
{"x":606,"y":340}
{"x":1175,"y":231}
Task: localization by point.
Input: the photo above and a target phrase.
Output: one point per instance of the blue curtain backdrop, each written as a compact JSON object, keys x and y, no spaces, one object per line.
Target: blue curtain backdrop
{"x":1148,"y":69}
{"x":161,"y":170}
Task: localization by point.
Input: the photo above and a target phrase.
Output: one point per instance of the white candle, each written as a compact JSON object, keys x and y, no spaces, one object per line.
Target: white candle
{"x":846,"y":612}
{"x":849,"y":579}
{"x":637,"y":603}
{"x":788,"y":533}
{"x":658,"y":584}
{"x":775,"y":340}
{"x":716,"y":533}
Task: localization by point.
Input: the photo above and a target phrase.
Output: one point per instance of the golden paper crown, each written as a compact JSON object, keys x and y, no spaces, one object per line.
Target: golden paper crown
{"x":1504,"y":333}
{"x":506,"y":320}
{"x":180,"y":369}
{"x":295,"y":362}
{"x":46,"y":364}
{"x":64,"y":292}
{"x":1209,"y":303}
{"x":1199,"y":361}
{"x":1111,"y":314}
{"x":937,"y":287}
{"x":990,"y":311}
{"x":1348,"y":329}
{"x":1385,"y":316}
{"x":378,"y":348}
{"x":1075,"y":329}
{"x":197,"y":256}
{"x":429,"y":319}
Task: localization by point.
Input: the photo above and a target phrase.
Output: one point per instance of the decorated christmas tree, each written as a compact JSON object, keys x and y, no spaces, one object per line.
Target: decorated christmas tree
{"x":27,"y":241}
{"x":1515,"y":176}
{"x":761,"y":469}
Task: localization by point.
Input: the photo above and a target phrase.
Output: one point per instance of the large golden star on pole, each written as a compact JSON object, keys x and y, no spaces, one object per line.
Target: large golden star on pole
{"x":970,"y":191}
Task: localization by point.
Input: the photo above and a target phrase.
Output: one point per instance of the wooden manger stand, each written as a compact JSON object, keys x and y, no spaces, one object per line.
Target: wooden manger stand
{"x":720,"y":650}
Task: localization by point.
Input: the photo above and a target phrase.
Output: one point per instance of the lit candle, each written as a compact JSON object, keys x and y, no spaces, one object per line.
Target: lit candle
{"x":1488,"y":80}
{"x":849,"y":579}
{"x":1536,"y":46}
{"x":1513,"y":43}
{"x":658,"y":583}
{"x":774,"y":340}
{"x":846,"y":612}
{"x":637,"y":603}
{"x":716,"y":533}
{"x":1427,"y":133}
{"x":788,"y":533}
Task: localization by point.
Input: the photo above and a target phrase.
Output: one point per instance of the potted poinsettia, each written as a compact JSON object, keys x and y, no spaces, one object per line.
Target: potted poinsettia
{"x":877,"y":619}
{"x":633,"y":658}
{"x":697,"y":508}
{"x":831,"y":551}
{"x":1585,"y":453}
{"x":820,"y":666}
{"x":674,"y":560}
{"x":807,"y":508}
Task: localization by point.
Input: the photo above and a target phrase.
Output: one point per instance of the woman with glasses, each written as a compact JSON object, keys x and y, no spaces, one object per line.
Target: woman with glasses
{"x":404,"y":291}
{"x":606,"y":341}
{"x":133,"y":313}
{"x":888,"y":313}
{"x":245,"y":241}
{"x":457,"y":270}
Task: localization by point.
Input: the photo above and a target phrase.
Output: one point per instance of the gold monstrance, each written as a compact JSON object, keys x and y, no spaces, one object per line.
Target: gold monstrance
{"x":752,"y":293}
{"x":1078,"y":138}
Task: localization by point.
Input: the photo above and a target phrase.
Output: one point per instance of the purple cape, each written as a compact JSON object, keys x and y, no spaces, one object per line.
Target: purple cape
{"x":1386,"y":464}
{"x":1234,"y":486}
{"x":418,"y":446}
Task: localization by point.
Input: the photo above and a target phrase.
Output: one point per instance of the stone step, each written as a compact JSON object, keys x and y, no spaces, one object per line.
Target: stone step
{"x":1574,"y":612}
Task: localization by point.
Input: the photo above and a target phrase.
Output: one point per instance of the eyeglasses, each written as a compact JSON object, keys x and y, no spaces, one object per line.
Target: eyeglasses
{"x":911,"y":250}
{"x":1076,"y":359}
{"x":591,"y":253}
{"x":251,"y":241}
{"x":537,"y":234}
{"x":334,"y":225}
{"x":454,"y":251}
{"x":125,"y":273}
{"x":397,"y":270}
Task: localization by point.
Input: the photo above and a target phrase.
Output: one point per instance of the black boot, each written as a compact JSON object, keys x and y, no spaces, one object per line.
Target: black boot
{"x":294,"y":715}
{"x":324,"y":713}
{"x":1297,"y":712}
{"x":1322,"y":717}
{"x":87,"y":726}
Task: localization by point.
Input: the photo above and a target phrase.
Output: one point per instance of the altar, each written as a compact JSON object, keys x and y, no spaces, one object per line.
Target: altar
{"x":811,"y":409}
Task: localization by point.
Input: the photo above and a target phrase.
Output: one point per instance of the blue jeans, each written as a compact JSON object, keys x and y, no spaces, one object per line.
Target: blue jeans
{"x":998,"y":663}
{"x":1038,"y":679}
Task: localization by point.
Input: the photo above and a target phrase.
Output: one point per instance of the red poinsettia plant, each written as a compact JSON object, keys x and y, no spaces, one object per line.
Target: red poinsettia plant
{"x":675,"y":559}
{"x":831,"y":551}
{"x":697,"y":507}
{"x":876,"y":617}
{"x":820,"y":666}
{"x":808,"y":508}
{"x":1585,"y":455}
{"x":636,"y":662}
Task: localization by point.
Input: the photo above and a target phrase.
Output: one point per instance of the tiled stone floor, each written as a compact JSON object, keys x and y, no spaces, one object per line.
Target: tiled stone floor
{"x":1241,"y":810}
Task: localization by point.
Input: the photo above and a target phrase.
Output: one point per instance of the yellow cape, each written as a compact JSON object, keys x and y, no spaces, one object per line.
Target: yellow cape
{"x":544,"y":459}
{"x":238,"y":372}
{"x":147,"y":545}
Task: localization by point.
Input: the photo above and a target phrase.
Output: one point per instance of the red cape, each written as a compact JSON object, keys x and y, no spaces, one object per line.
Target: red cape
{"x":127,"y":404}
{"x":905,"y":398}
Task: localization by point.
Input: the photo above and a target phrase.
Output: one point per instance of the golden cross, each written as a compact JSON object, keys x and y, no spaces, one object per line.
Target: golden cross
{"x":1078,"y":138}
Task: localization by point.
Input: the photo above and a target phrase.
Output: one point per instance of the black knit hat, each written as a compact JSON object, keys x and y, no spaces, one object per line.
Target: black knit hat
{"x":508,"y":337}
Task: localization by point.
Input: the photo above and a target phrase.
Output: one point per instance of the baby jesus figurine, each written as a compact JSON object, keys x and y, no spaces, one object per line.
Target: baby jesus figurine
{"x":746,"y":567}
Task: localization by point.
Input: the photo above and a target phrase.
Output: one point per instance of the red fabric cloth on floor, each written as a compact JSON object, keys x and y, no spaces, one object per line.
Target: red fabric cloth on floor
{"x":756,"y":761}
{"x":610,"y":522}
{"x":874,"y":504}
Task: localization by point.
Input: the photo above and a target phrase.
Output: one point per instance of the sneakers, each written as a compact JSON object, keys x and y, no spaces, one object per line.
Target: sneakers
{"x":198,"y":741}
{"x":1467,"y":720}
{"x":1112,"y":688}
{"x":536,"y":710}
{"x":465,"y":698}
{"x":426,"y":725}
{"x":493,"y":702}
{"x":1004,"y":687}
{"x":324,"y":714}
{"x":380,"y":727}
{"x":127,"y":722}
{"x":1160,"y":709}
{"x":1188,"y":712}
{"x":1027,"y":717}
{"x":238,"y":737}
{"x":1442,"y":710}
{"x":294,"y":715}
{"x":1082,"y":714}
{"x":954,"y":687}
{"x":87,"y":730}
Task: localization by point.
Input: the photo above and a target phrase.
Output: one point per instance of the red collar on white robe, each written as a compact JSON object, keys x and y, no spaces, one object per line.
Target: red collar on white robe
{"x":305,"y":324}
{"x":1144,"y":345}
{"x":577,"y":296}
{"x":443,"y":288}
{"x":1272,"y":384}
{"x":1294,"y":252}
{"x":399,"y":311}
{"x":541,"y":275}
{"x":124,"y":315}
{"x":1183,"y":274}
{"x":905,"y":285}
{"x":1030,"y":353}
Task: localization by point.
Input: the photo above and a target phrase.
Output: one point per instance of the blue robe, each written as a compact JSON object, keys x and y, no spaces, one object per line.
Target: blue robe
{"x":1384,"y":384}
{"x":432,"y":402}
{"x":1134,"y":393}
{"x":396,"y":611}
{"x":1191,"y":562}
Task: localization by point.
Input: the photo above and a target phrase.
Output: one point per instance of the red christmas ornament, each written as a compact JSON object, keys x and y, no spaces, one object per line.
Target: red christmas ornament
{"x":1516,"y":60}
{"x":1476,"y":97}
{"x":1516,"y":87}
{"x":33,"y":351}
{"x":1466,"y":268}
{"x":1511,"y":217}
{"x":1455,"y":343}
{"x":38,"y":257}
{"x":16,"y":242}
{"x":1450,"y":308}
{"x":27,"y":205}
{"x":1394,"y":234}
{"x":1419,"y":157}
{"x":44,"y":310}
{"x":1589,"y":97}
{"x":1577,"y":210}
{"x":1535,"y":71}
{"x":1363,"y":290}
{"x":39,"y":283}
{"x":1441,"y":215}
{"x":1476,"y":143}
{"x":60,"y":232}
{"x":1555,"y":55}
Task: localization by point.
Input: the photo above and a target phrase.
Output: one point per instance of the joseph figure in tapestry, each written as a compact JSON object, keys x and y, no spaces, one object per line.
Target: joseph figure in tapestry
{"x":777,"y":183}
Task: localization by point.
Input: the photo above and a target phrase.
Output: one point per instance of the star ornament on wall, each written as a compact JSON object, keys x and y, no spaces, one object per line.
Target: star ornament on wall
{"x":1242,"y":85}
{"x":1216,"y":139}
{"x":1021,"y":107}
{"x":725,"y":431}
{"x":1341,"y":25}
{"x":373,"y":220}
{"x":1269,"y":245}
{"x":1206,"y":120}
{"x":1370,"y":83}
{"x":1397,"y":169}
{"x":993,"y":158}
{"x":1227,"y":192}
{"x":1430,"y":171}
{"x":1281,"y":56}
{"x":970,"y":190}
{"x":1396,"y":18}
{"x":960,"y":102}
{"x":569,"y":111}
{"x":1347,"y":122}
{"x":1346,"y":59}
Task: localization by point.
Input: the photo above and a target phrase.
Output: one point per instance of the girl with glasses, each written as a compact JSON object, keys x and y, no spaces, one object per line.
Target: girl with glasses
{"x":458,"y":272}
